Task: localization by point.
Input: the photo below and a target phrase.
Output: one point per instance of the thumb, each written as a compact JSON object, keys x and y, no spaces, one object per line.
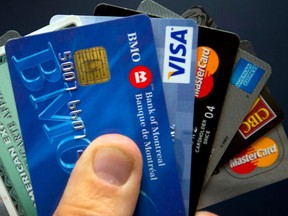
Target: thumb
{"x":105,"y":180}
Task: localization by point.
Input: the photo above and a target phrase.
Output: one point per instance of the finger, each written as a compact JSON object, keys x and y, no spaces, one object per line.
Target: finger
{"x":205,"y":213}
{"x":105,"y":180}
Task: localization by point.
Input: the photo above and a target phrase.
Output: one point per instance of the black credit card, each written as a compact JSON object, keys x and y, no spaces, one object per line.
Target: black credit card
{"x":104,"y":9}
{"x":217,"y":51}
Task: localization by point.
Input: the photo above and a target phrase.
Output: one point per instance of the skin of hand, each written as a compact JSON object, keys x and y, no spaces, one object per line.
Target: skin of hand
{"x":105,"y":180}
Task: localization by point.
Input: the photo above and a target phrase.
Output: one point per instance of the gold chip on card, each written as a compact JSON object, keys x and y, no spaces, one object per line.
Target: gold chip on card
{"x":92,"y":66}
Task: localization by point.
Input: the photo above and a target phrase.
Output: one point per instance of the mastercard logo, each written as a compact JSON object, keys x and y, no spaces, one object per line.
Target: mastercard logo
{"x":262,"y":154}
{"x":207,"y":65}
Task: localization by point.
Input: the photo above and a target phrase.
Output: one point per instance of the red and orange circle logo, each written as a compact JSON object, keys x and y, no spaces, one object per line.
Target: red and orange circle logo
{"x":207,"y":65}
{"x":263,"y":153}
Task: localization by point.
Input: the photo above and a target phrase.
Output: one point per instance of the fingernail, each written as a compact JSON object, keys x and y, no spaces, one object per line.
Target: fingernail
{"x":112,"y":166}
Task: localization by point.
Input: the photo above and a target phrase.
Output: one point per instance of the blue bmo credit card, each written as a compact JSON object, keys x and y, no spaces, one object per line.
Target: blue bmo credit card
{"x":73,"y":85}
{"x":176,"y":43}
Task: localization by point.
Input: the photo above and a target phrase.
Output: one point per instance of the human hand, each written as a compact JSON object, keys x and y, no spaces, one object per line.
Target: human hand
{"x":105,"y":180}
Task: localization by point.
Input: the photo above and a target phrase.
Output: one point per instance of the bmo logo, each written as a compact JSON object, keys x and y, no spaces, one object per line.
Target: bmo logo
{"x":140,"y":76}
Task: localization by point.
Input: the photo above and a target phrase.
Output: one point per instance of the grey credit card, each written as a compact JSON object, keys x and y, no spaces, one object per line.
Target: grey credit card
{"x":261,"y":164}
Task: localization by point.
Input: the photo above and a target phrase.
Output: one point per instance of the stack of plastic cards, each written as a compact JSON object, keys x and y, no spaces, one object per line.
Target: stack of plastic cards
{"x":74,"y":90}
{"x":192,"y":96}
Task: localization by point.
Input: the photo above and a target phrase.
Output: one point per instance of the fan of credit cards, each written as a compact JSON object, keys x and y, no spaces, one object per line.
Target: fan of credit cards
{"x":191,"y":95}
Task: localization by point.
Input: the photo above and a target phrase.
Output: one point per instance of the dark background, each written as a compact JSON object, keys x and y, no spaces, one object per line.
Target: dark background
{"x":263,"y":22}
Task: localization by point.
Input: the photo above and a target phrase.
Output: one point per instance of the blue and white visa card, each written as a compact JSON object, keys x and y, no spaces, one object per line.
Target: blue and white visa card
{"x":177,"y":62}
{"x":176,"y":43}
{"x":73,"y":85}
